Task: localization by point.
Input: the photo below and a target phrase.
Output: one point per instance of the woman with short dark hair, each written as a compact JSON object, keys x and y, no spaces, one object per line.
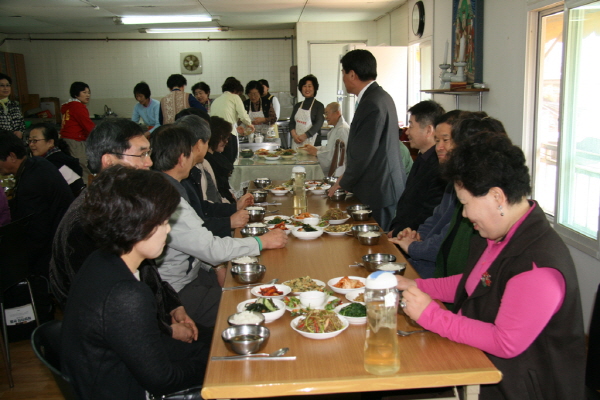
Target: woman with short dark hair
{"x":146,"y":109}
{"x":307,"y":117}
{"x":111,"y":345}
{"x":11,"y":118}
{"x":220,"y":166}
{"x":259,"y":108}
{"x":202,"y":93}
{"x":518,"y":298}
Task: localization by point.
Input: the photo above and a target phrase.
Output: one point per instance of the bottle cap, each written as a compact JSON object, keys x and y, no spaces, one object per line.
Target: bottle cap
{"x":298,"y":169}
{"x":381,"y":280}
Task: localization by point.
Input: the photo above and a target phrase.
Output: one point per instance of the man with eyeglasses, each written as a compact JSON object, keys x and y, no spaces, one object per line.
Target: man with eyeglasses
{"x":114,"y":141}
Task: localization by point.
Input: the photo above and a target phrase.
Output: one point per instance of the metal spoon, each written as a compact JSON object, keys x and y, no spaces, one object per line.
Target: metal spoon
{"x":408,"y":333}
{"x":276,"y":353}
{"x":271,"y":282}
{"x":272,"y":212}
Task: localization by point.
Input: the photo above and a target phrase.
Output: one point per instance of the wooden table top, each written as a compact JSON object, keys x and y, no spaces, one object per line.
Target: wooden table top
{"x":333,"y":365}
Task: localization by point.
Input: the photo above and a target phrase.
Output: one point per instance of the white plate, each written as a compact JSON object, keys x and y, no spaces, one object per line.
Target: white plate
{"x":333,"y":281}
{"x":318,"y":335}
{"x":313,"y":183}
{"x":338,"y":221}
{"x":282,"y":288}
{"x":352,"y":320}
{"x":270,"y":316}
{"x":330,"y":298}
{"x":316,"y":281}
{"x":354,"y":294}
{"x":336,"y":233}
{"x":277,"y":192}
{"x":307,"y":235}
{"x":302,"y":220}
{"x":270,"y":217}
{"x":287,"y":231}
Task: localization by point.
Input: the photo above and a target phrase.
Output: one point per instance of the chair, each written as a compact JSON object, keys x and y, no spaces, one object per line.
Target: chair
{"x":14,"y":269}
{"x":45,"y":341}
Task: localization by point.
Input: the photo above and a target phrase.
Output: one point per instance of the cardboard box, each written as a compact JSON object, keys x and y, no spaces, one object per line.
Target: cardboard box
{"x":52,"y":104}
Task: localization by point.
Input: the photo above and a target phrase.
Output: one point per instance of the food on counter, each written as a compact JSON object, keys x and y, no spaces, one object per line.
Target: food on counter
{"x":245,"y":317}
{"x":369,"y":234}
{"x":307,"y":228}
{"x":262,"y":305}
{"x":281,"y":226}
{"x":245,"y":260}
{"x":303,"y":215}
{"x":270,"y":291}
{"x":338,"y":228}
{"x":347,"y":283}
{"x":389,"y":267}
{"x":334,"y":213}
{"x":361,"y":211}
{"x":360,"y":298}
{"x":256,"y":225}
{"x":254,"y":208}
{"x":278,"y":220}
{"x":320,"y":321}
{"x":304,"y":284}
{"x":356,"y":310}
{"x":288,"y":152}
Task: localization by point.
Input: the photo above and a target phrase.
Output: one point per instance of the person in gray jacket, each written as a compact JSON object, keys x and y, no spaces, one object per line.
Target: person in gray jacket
{"x":192,"y":250}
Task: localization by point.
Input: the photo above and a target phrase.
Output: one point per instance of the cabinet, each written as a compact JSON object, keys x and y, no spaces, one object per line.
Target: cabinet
{"x":461,"y":92}
{"x":13,"y":65}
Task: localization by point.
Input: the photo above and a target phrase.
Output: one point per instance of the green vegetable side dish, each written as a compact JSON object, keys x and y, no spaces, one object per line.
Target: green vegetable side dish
{"x":356,"y":310}
{"x":308,"y":228}
{"x":278,"y":220}
{"x":262,"y":305}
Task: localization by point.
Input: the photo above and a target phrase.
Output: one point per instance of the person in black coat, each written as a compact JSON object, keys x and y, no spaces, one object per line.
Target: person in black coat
{"x":111,"y":346}
{"x":40,"y":191}
{"x":424,"y":186}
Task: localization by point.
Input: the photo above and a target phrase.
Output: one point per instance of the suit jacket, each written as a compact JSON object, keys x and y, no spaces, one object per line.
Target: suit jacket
{"x":374,"y":170}
{"x":423,"y":192}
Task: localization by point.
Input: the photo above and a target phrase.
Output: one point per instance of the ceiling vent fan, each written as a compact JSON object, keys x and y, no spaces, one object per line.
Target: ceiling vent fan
{"x":191,"y":63}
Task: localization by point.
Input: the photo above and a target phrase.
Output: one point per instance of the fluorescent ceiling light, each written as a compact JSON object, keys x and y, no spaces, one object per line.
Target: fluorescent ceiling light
{"x":185,"y":30}
{"x":164,"y":19}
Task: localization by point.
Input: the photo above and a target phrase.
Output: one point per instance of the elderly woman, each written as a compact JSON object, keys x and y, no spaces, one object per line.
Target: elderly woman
{"x":220,"y":167}
{"x":518,"y":298}
{"x":44,"y":142}
{"x":111,"y":345}
{"x":10,"y":113}
{"x":259,"y":108}
{"x":307,"y":116}
{"x":201,"y":92}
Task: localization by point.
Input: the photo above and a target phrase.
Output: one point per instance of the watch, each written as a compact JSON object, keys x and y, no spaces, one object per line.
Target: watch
{"x":418,"y":19}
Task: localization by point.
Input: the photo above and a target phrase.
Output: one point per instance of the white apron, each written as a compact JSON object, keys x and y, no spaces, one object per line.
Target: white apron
{"x":262,"y":128}
{"x":303,"y":124}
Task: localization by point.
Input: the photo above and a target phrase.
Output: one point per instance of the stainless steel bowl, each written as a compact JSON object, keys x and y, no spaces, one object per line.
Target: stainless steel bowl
{"x":338,"y":195}
{"x":368,"y":240}
{"x":260,"y":196}
{"x":262,"y":183}
{"x":396,"y":268}
{"x":256,"y":215}
{"x":356,"y":229}
{"x":248,"y":273}
{"x":248,"y":231}
{"x":361,"y":215}
{"x":330,"y":180}
{"x":258,"y":314}
{"x":245,"y":339}
{"x":371,"y":261}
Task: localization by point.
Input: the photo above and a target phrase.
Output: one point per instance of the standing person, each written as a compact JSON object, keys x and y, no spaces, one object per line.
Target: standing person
{"x":177,"y":100}
{"x":111,"y":345}
{"x":76,"y":123}
{"x":424,"y":186}
{"x":374,"y":170}
{"x":44,"y":142}
{"x":272,"y":98}
{"x":147,"y":108}
{"x":518,"y":298}
{"x":327,"y":154}
{"x":307,"y":116}
{"x":40,"y":191}
{"x":230,"y":107}
{"x":259,"y":109}
{"x":201,"y":92}
{"x":11,"y":118}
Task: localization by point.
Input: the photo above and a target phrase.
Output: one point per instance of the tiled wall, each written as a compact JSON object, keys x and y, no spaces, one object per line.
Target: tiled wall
{"x":112,"y":68}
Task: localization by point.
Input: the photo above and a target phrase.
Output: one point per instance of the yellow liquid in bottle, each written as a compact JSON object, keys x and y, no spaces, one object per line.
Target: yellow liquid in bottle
{"x":381,"y":343}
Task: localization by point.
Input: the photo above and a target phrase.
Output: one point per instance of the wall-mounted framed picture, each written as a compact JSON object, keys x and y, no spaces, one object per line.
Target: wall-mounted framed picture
{"x":467,"y":22}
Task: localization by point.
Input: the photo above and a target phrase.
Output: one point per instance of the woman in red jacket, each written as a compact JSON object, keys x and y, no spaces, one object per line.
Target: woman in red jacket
{"x":76,"y":123}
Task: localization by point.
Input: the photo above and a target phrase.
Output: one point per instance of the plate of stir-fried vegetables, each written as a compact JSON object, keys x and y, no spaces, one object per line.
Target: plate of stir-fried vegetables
{"x":319,"y":324}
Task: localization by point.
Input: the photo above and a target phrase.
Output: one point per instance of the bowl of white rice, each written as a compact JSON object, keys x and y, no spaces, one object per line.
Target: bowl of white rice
{"x":246,"y":318}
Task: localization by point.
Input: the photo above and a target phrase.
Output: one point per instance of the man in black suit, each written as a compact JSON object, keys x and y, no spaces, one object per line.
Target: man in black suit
{"x":424,"y":187}
{"x":374,"y":169}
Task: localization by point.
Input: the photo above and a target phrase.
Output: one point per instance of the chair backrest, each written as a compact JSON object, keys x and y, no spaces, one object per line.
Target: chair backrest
{"x":45,"y":341}
{"x":14,"y":267}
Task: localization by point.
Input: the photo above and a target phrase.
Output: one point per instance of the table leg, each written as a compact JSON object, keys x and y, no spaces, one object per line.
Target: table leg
{"x":471,"y":392}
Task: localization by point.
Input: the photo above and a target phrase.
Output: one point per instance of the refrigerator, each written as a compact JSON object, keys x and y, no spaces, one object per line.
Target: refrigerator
{"x":392,"y":75}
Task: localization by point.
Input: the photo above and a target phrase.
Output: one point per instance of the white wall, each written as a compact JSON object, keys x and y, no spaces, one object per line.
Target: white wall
{"x":392,"y":29}
{"x":112,"y":68}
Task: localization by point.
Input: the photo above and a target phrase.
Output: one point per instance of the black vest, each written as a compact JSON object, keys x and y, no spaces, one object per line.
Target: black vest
{"x":265,"y":106}
{"x":553,"y":367}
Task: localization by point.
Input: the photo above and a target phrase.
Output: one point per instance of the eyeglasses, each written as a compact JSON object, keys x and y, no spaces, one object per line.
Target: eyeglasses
{"x":34,"y":141}
{"x":145,"y":154}
{"x":6,"y":86}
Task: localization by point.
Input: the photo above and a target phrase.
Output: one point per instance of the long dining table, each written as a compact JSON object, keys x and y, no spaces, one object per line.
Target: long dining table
{"x":334,"y":365}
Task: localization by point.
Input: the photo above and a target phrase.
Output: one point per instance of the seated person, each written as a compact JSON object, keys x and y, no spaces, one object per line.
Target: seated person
{"x":40,"y":191}
{"x":111,"y":346}
{"x":44,"y":142}
{"x":326,"y":154}
{"x":146,"y":109}
{"x":201,"y":92}
{"x":219,"y":218}
{"x":220,"y":165}
{"x":192,"y":249}
{"x":114,"y":141}
{"x":424,"y":187}
{"x":4,"y":209}
{"x":177,"y":100}
{"x":518,"y":298}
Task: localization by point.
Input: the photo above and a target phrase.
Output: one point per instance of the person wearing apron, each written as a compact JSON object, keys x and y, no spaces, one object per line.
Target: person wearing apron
{"x":307,"y":116}
{"x":259,"y":109}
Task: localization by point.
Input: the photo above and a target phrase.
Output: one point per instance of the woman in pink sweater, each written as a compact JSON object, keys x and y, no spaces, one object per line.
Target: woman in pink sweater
{"x":518,"y":298}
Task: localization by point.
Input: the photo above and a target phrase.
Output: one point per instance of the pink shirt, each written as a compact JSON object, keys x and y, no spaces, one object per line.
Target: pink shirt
{"x":529,"y":301}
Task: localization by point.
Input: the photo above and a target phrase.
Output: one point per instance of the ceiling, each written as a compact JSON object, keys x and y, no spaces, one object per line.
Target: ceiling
{"x":96,"y":16}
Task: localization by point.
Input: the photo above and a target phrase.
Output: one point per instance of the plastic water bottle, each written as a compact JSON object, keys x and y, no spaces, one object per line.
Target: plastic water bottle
{"x":299,"y":175}
{"x":381,"y":343}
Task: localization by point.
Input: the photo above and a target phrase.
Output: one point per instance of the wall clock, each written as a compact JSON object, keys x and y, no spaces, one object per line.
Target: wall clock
{"x":418,"y":19}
